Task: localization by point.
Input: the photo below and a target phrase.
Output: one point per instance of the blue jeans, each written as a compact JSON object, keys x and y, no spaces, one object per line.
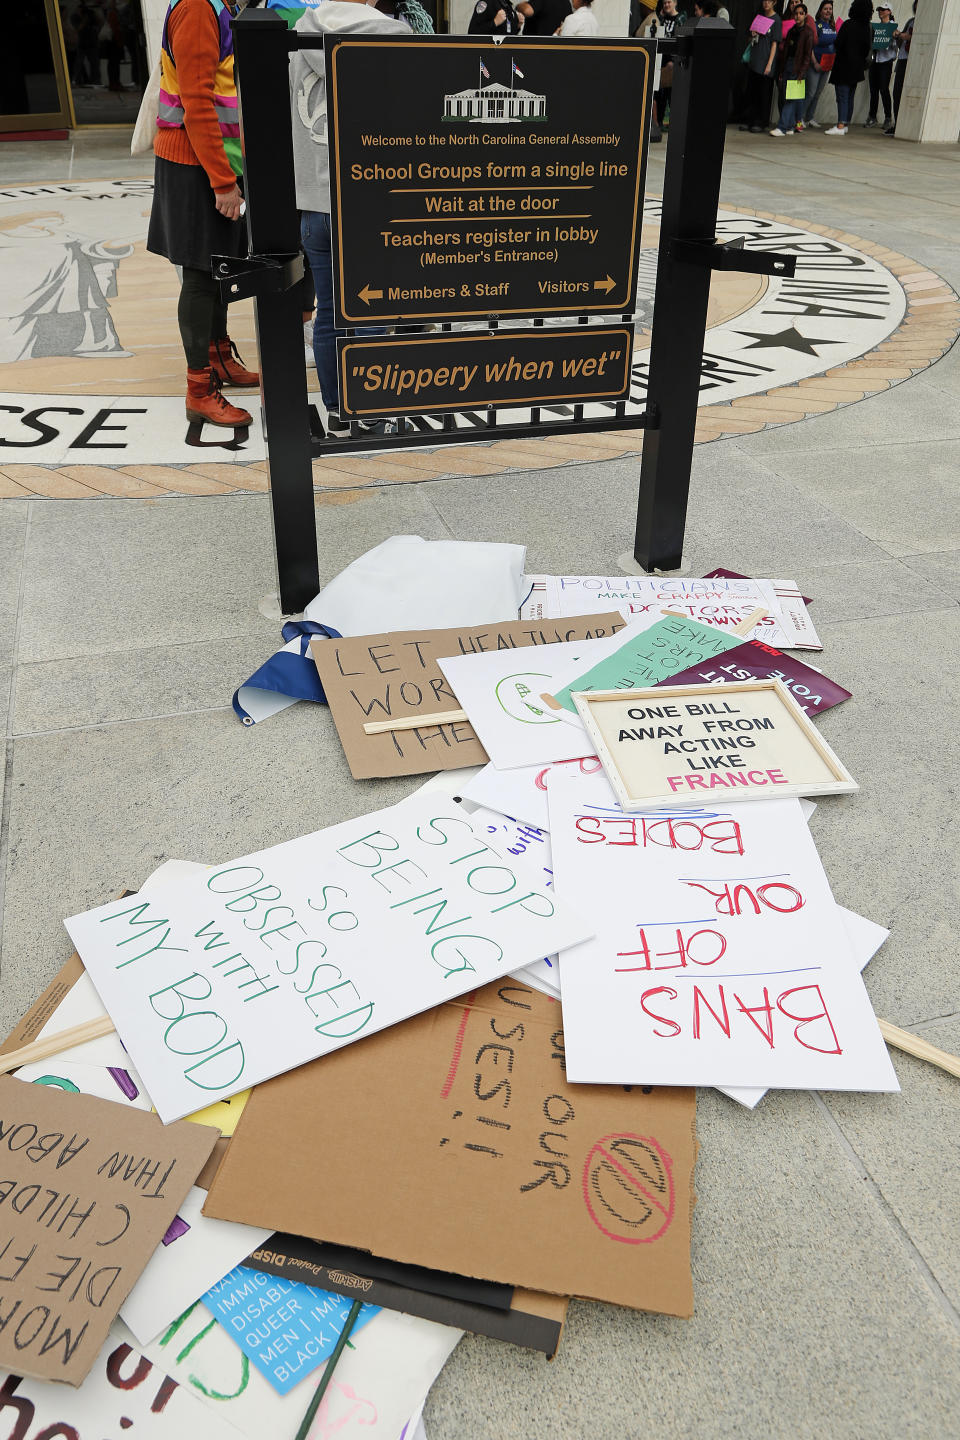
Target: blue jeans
{"x":790,"y":114}
{"x":816,"y":79}
{"x":315,"y":237}
{"x":844,"y":103}
{"x":792,"y":109}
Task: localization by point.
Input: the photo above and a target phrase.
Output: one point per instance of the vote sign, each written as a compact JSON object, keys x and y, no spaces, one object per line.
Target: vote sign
{"x":470,"y":179}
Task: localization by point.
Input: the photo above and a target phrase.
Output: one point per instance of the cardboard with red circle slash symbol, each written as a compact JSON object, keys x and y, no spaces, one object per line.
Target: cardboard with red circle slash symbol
{"x":454,"y":1141}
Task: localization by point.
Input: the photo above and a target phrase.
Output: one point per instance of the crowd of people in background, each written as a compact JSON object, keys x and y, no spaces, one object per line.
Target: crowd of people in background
{"x":793,"y":52}
{"x":534,"y":17}
{"x":98,"y":36}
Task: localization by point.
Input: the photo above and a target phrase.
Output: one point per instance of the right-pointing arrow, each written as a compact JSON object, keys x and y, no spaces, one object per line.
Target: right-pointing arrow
{"x":366,"y":294}
{"x":606,"y":285}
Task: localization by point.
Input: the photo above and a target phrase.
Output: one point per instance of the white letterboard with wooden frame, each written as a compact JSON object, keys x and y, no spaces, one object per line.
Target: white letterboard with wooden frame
{"x":682,"y":744}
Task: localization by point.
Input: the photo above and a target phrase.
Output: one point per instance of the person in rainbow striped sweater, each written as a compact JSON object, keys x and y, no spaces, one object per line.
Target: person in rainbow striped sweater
{"x":198,"y":169}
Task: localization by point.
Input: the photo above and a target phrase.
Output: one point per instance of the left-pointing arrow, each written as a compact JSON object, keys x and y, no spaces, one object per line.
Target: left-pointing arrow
{"x":606,"y":284}
{"x":366,"y":294}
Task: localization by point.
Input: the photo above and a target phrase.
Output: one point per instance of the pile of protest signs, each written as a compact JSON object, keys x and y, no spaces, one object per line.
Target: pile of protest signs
{"x":431,"y":1070}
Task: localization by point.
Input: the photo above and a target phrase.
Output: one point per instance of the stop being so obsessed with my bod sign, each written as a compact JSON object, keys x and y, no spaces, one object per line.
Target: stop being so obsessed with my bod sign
{"x":678,"y":744}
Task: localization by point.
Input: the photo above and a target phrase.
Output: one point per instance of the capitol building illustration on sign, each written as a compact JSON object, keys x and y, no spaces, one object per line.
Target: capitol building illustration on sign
{"x":495,"y":103}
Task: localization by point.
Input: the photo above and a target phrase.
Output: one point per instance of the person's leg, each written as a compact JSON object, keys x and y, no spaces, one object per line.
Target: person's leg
{"x":751,"y":97}
{"x":789,"y":115}
{"x":315,"y":236}
{"x":223,"y":354}
{"x":815,"y":82}
{"x":873,"y":78}
{"x":898,"y":87}
{"x":886,"y":69}
{"x":114,"y":56}
{"x":199,"y":300}
{"x":766,"y":99}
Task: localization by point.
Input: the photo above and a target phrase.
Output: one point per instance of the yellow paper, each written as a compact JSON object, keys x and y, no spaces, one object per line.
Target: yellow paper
{"x":222,"y":1113}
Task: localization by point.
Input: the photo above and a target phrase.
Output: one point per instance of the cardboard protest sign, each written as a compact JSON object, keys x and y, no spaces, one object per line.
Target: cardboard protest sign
{"x":718,"y":600}
{"x":287,"y":1328}
{"x":646,"y":657}
{"x":124,"y":1392}
{"x":31,"y":1027}
{"x":273,"y":959}
{"x":495,"y":1165}
{"x":671,"y":745}
{"x":502,"y":694}
{"x":752,"y":660}
{"x":88,"y":1189}
{"x":371,"y":678}
{"x":722,"y":959}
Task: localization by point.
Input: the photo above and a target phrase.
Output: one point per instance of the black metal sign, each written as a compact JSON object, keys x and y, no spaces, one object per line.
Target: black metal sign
{"x":436,"y":373}
{"x":474,"y":179}
{"x":400,"y":108}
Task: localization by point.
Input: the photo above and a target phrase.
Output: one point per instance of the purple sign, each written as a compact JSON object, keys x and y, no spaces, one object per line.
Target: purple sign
{"x":721,"y":574}
{"x":753,"y":660}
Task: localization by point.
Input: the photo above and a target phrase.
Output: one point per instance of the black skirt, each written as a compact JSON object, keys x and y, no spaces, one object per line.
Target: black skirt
{"x":185,"y":224}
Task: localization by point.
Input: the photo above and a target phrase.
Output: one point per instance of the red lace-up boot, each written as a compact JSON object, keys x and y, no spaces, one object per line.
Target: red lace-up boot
{"x":226,"y":362}
{"x":205,"y":402}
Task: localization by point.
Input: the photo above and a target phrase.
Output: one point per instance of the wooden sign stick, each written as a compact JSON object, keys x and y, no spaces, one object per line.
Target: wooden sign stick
{"x":55,"y":1044}
{"x":415,"y":722}
{"x":922,"y":1049}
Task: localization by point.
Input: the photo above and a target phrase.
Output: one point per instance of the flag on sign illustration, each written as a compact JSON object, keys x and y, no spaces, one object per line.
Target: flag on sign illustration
{"x":516,"y":69}
{"x":484,"y":71}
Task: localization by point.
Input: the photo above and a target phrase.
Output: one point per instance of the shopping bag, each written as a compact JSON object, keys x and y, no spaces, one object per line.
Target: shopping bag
{"x":796,"y":89}
{"x":141,"y":142}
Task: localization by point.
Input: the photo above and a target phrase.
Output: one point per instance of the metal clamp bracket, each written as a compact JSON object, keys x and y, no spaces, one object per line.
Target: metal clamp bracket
{"x":733,"y":256}
{"x":246,"y":276}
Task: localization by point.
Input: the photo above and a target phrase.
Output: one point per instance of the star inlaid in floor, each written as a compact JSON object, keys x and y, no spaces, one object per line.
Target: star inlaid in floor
{"x":789,"y":339}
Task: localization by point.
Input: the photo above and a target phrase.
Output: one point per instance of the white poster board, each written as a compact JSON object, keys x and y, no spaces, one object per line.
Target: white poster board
{"x":380,"y":1379}
{"x":195,"y":1254}
{"x":720,"y":959}
{"x":522,"y":793}
{"x":273,"y":959}
{"x":714,"y":601}
{"x":501,"y":692}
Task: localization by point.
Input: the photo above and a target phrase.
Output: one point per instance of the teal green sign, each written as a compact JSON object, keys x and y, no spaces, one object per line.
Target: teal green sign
{"x":668,"y":647}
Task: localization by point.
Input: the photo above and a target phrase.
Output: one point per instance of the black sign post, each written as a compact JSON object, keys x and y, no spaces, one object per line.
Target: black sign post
{"x":485,"y":184}
{"x":688,"y":253}
{"x":270,"y":274}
